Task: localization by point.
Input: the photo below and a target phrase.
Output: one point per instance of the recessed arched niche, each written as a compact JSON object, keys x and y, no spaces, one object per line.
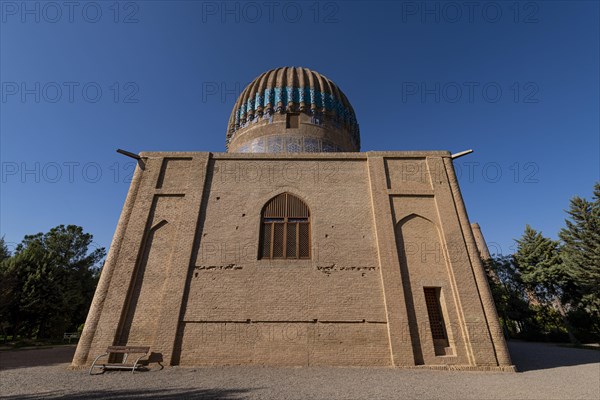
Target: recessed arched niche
{"x":427,"y":288}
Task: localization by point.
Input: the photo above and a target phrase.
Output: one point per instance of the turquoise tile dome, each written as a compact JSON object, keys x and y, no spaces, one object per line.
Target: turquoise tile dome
{"x":293,"y":90}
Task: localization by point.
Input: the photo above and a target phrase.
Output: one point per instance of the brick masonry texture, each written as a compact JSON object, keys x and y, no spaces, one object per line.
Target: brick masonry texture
{"x":184,"y":277}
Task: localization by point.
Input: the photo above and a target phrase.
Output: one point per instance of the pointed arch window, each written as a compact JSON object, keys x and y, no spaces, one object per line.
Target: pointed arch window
{"x":285,"y":228}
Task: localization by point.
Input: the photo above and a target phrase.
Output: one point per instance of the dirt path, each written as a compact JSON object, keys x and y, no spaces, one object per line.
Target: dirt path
{"x":36,"y":357}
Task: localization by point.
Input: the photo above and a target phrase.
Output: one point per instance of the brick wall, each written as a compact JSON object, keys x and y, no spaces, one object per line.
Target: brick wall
{"x":183,"y":274}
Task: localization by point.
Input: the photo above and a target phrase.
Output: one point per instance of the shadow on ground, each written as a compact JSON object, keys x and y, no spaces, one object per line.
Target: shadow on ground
{"x":139,"y":394}
{"x":528,"y":356}
{"x":24,"y":358}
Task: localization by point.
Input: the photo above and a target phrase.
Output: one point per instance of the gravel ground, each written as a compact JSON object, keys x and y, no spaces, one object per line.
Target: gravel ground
{"x":548,"y":372}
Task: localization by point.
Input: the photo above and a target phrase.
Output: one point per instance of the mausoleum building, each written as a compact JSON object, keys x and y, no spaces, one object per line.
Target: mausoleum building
{"x":295,"y":248}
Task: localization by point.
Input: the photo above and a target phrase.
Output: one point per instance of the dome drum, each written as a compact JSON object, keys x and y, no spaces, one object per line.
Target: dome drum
{"x":275,"y":134}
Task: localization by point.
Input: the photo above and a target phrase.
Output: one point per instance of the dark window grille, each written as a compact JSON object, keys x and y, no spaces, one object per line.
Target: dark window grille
{"x":278,"y":230}
{"x":304,"y":240}
{"x":285,"y":228}
{"x":436,"y":320}
{"x":266,"y":240}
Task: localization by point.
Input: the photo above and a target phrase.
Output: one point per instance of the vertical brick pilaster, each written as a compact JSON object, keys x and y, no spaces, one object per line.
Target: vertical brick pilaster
{"x":91,"y":322}
{"x":122,"y":269}
{"x":483,"y":288}
{"x":401,"y":350}
{"x":173,"y":291}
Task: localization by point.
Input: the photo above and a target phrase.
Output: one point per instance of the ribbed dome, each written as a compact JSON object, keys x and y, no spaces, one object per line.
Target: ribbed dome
{"x":258,"y":117}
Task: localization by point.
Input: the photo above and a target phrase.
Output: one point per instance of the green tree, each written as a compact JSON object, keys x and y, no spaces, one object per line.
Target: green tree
{"x":539,"y":263}
{"x":4,"y":252}
{"x":580,"y":255}
{"x":508,"y":291}
{"x":53,"y":276}
{"x":7,"y":285}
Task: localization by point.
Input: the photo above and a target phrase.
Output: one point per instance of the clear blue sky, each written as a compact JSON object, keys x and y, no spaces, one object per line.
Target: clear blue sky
{"x":517,"y":82}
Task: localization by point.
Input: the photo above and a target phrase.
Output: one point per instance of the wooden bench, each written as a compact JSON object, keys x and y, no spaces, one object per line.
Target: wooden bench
{"x":70,"y":335}
{"x":125,"y":350}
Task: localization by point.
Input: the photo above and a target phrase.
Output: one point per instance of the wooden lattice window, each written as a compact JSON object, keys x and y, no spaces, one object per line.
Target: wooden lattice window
{"x":285,"y":228}
{"x":436,"y":320}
